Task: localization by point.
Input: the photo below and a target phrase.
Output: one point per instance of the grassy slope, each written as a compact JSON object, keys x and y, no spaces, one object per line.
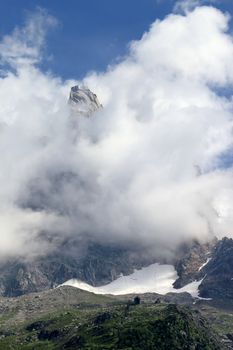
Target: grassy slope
{"x":88,"y":326}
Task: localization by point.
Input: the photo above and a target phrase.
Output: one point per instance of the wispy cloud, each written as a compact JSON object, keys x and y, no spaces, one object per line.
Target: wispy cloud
{"x":185,"y":6}
{"x":25,"y":45}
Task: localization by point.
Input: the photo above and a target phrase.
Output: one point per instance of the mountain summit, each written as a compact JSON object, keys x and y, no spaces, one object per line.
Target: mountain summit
{"x":83,"y":101}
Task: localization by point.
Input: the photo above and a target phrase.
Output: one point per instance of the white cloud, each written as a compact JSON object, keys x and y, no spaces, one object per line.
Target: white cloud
{"x":185,"y":6}
{"x":144,"y":169}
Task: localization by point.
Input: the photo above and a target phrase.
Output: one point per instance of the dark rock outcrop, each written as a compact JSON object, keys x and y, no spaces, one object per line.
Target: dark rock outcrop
{"x":212,"y":264}
{"x":218,"y":280}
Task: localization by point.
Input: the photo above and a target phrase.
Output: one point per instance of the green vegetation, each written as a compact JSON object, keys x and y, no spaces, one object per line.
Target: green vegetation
{"x":124,"y":326}
{"x":70,"y":318}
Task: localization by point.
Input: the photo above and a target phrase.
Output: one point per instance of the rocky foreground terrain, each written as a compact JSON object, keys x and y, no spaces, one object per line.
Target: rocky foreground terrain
{"x":68,"y":318}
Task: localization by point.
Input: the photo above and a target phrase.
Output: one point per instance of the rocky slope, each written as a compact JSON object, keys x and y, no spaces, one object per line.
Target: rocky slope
{"x":67,"y":318}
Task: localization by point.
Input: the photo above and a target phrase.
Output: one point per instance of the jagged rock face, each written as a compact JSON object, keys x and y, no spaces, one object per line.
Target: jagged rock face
{"x":190,"y":259}
{"x":83,"y":101}
{"x":218,"y":273}
{"x":98,"y":265}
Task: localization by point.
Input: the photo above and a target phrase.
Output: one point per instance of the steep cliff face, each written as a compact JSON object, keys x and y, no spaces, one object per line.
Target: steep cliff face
{"x":191,"y":258}
{"x":212,"y":264}
{"x":218,"y":273}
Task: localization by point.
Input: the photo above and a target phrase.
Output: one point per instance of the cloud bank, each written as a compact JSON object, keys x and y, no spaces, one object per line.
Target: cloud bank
{"x":149,"y":168}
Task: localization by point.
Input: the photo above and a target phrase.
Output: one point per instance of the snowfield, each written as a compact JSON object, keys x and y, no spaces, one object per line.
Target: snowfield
{"x":155,"y":278}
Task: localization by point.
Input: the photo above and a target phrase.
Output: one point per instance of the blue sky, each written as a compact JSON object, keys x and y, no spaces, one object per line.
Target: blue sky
{"x":91,"y":34}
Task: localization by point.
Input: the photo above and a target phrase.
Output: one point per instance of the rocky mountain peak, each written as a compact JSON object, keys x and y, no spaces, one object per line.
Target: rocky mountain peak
{"x":83,"y":101}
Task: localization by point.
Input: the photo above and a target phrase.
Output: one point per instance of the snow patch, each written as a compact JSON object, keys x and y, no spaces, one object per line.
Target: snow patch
{"x":191,"y":288}
{"x":201,"y":267}
{"x":155,"y":278}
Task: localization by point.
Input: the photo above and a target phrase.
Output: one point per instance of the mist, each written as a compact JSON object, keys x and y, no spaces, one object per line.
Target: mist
{"x":152,"y":167}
